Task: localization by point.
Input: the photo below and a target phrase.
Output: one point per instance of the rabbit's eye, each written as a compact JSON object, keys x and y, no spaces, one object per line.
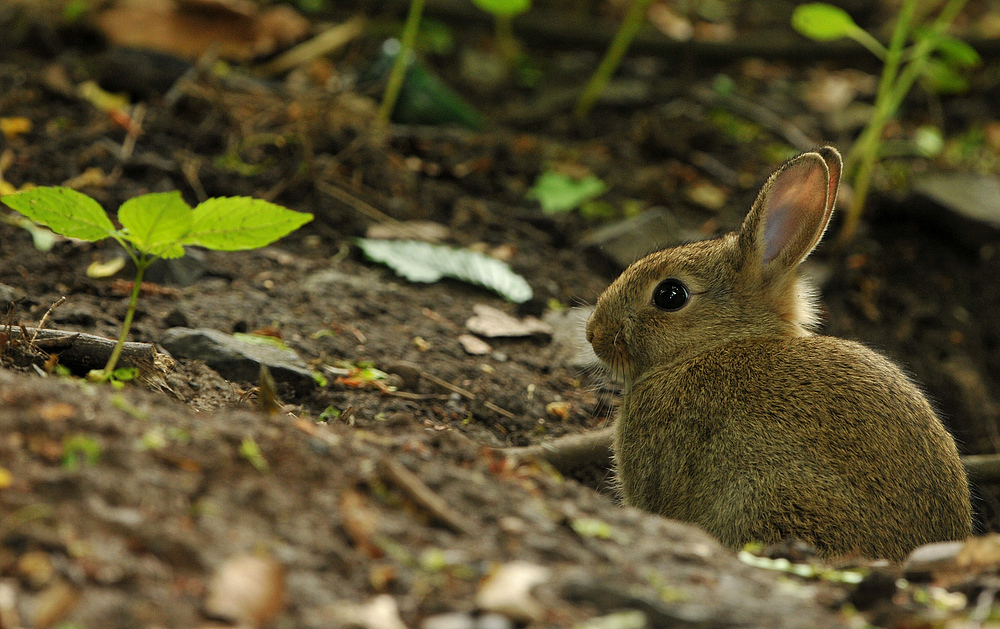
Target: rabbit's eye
{"x":670,"y":295}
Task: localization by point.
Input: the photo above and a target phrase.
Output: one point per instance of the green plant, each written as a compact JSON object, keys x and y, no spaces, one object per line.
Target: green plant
{"x":157,"y":225}
{"x":504,"y":12}
{"x":558,"y":193}
{"x":902,"y":67}
{"x":398,"y":72}
{"x":612,"y":58}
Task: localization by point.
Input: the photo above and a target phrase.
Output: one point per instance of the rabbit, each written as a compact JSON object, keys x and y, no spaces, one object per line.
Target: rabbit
{"x":736,"y":417}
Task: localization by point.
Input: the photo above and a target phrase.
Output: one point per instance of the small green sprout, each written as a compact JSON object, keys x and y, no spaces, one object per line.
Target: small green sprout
{"x":504,"y":12}
{"x":902,"y":67}
{"x":634,"y":20}
{"x":250,"y":451}
{"x":156,"y":225}
{"x":559,"y":193}
{"x":80,"y":449}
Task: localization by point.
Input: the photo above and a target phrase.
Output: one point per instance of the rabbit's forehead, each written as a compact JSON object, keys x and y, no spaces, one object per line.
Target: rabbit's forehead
{"x":688,"y":262}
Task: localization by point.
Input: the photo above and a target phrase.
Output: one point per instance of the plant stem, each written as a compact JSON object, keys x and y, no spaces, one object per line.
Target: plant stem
{"x":612,"y":58}
{"x":398,"y":73}
{"x":141,"y":264}
{"x":893,"y":88}
{"x":506,"y":44}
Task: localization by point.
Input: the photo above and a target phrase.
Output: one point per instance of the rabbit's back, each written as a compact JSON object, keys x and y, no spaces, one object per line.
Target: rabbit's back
{"x":809,"y":437}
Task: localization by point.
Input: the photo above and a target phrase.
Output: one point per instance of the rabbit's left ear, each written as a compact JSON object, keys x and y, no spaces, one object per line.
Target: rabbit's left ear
{"x":792,"y":211}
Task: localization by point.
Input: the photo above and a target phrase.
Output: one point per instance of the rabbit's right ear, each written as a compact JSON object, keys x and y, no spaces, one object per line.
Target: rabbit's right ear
{"x":792,"y":211}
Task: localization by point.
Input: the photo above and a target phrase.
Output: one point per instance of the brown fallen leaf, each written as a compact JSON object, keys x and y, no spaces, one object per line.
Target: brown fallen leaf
{"x":247,"y":590}
{"x":189,"y":29}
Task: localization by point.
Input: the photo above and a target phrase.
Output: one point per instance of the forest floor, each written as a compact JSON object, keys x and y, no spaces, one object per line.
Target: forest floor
{"x":367,"y":502}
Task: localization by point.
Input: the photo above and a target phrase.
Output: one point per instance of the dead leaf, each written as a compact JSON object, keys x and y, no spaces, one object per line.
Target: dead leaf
{"x":427,"y":231}
{"x":248,"y":590}
{"x":190,"y":29}
{"x":493,"y":323}
{"x":474,"y":345}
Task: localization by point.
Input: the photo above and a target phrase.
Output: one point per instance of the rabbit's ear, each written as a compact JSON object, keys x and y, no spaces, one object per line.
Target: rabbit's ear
{"x":793,"y":209}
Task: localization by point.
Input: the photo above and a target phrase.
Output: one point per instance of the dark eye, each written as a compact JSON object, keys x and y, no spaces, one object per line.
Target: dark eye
{"x":670,"y":295}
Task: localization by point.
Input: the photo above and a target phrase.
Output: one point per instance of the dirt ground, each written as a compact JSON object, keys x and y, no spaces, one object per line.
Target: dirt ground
{"x":123,"y":508}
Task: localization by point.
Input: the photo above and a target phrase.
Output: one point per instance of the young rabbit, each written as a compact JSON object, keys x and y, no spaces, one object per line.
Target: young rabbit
{"x":736,"y":417}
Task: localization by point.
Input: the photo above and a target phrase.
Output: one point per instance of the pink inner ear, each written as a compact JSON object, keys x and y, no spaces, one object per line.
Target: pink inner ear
{"x":794,"y":210}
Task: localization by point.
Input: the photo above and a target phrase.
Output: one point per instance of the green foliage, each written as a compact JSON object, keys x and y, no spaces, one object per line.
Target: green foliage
{"x":634,"y":20}
{"x":508,"y":8}
{"x":157,"y":225}
{"x":250,"y":451}
{"x":559,"y":193}
{"x":823,"y":22}
{"x":934,"y":57}
{"x":80,"y":449}
{"x":426,"y":263}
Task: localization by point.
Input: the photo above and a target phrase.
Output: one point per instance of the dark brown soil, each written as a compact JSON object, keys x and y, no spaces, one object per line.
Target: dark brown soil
{"x":137,"y":531}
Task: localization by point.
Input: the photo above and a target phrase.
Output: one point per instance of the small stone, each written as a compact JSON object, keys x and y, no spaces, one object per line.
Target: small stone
{"x":931,"y":558}
{"x":408,"y":373}
{"x":508,"y":591}
{"x":493,"y":621}
{"x":236,"y":359}
{"x":449,"y":621}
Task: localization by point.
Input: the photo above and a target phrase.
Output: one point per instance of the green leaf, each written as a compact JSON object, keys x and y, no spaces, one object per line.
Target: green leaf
{"x":234,"y":223}
{"x":822,"y":21}
{"x":952,"y":49}
{"x":427,"y":263}
{"x":558,"y":193}
{"x":503,"y":7}
{"x":942,"y":78}
{"x":64,"y":211}
{"x":156,"y":223}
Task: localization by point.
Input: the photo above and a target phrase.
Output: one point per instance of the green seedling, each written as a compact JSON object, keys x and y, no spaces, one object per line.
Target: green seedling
{"x":634,"y":20}
{"x":558,"y":193}
{"x":398,"y":72}
{"x":504,"y":12}
{"x":933,"y":56}
{"x":157,"y":225}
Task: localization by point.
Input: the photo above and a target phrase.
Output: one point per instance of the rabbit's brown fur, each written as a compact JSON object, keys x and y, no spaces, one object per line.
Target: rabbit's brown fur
{"x":737,"y":418}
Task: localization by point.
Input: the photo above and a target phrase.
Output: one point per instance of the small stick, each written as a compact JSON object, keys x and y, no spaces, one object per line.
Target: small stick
{"x":88,"y":351}
{"x":41,"y":324}
{"x":466,"y":394}
{"x":762,"y":116}
{"x":326,"y":42}
{"x":570,"y":452}
{"x":349,"y":199}
{"x":394,"y":472}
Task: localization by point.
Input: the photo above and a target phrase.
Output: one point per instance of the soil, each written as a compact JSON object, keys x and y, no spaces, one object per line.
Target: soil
{"x":133,"y":534}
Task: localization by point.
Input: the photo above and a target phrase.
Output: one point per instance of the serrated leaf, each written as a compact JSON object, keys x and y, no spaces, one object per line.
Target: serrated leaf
{"x":503,"y":7}
{"x":952,"y":49}
{"x":156,"y":223}
{"x":822,"y":21}
{"x":234,"y":223}
{"x":559,"y":193}
{"x":64,"y":211}
{"x":427,"y":263}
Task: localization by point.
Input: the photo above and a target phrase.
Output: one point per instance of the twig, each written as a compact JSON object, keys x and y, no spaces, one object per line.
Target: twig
{"x":570,"y":452}
{"x":88,"y":351}
{"x":469,"y":395}
{"x":41,"y":324}
{"x":394,"y":472}
{"x":349,"y":199}
{"x":326,"y":42}
{"x":594,"y":448}
{"x":762,"y":116}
